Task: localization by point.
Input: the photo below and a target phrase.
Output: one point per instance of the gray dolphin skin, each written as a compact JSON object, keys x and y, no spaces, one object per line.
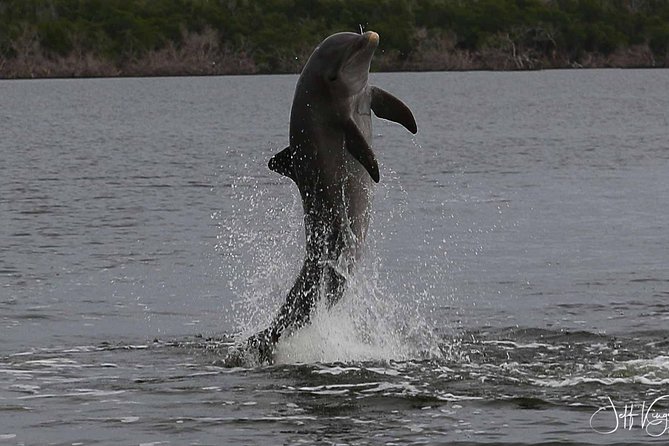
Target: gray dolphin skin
{"x":331,"y":161}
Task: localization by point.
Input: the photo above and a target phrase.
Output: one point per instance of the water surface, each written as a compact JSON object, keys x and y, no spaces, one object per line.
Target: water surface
{"x":516,"y":279}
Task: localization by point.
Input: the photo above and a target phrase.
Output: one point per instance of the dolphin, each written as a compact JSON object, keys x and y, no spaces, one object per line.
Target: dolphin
{"x":331,"y":161}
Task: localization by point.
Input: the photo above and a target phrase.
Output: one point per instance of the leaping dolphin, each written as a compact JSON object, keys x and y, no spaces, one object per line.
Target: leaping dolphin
{"x":331,"y":160}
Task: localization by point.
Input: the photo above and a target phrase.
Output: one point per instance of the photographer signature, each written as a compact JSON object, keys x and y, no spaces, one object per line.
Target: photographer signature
{"x":647,"y":417}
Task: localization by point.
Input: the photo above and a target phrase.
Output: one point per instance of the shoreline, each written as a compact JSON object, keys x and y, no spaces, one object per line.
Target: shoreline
{"x":387,"y":71}
{"x":204,"y":57}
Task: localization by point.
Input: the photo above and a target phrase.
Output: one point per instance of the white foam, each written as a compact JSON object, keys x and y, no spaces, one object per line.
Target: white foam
{"x":659,"y":362}
{"x":79,"y":392}
{"x":54,"y":362}
{"x":131,"y":419}
{"x":338,"y":386}
{"x":336,"y":370}
{"x":452,"y":397}
{"x":514,"y":345}
{"x":577,"y":380}
{"x":338,"y":336}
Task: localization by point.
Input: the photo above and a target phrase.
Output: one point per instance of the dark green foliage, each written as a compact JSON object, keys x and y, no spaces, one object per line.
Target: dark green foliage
{"x":55,"y":36}
{"x":659,"y":38}
{"x":278,"y":35}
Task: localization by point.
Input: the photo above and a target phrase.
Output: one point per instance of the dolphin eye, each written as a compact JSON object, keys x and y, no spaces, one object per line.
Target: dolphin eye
{"x":332,"y":77}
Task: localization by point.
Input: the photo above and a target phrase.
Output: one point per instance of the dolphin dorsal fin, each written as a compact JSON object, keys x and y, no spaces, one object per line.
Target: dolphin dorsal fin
{"x":357,"y":145}
{"x":387,"y":106}
{"x":282,"y":163}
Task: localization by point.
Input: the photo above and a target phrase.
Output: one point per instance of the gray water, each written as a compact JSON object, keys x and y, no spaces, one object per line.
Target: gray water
{"x":517,"y":275}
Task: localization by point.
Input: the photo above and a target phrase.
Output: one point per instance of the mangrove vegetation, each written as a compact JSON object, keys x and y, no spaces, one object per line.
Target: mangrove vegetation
{"x":73,"y":38}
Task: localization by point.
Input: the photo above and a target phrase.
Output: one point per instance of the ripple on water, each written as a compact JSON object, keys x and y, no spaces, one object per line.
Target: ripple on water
{"x":491,"y":372}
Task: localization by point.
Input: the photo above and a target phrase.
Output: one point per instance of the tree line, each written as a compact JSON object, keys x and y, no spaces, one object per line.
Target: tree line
{"x":66,"y":38}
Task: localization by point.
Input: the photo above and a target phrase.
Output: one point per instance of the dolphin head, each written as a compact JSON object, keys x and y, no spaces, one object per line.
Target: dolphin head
{"x":342,"y":61}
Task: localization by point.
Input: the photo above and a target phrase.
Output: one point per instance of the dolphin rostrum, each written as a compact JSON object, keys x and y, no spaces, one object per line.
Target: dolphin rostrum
{"x":331,"y":160}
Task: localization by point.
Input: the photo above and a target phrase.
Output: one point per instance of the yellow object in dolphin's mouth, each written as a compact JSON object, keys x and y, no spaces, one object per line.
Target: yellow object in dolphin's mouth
{"x":372,"y":37}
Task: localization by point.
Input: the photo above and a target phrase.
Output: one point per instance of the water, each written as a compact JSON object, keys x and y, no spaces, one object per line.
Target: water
{"x":517,"y":275}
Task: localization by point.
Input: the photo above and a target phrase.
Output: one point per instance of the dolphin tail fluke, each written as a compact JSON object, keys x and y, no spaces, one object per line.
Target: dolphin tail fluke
{"x":282,"y":163}
{"x":387,"y":106}
{"x":256,"y":350}
{"x":263,"y":344}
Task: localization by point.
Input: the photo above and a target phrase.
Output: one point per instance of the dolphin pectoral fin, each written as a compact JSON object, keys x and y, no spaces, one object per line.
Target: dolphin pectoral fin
{"x":357,"y":145}
{"x":387,"y":106}
{"x":282,"y":163}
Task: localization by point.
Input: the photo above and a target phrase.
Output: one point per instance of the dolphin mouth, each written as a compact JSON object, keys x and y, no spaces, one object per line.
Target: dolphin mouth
{"x":372,"y":37}
{"x":370,"y":40}
{"x":362,"y":50}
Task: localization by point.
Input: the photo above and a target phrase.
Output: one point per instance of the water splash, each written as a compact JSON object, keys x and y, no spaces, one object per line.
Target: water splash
{"x":260,"y":246}
{"x":261,"y":242}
